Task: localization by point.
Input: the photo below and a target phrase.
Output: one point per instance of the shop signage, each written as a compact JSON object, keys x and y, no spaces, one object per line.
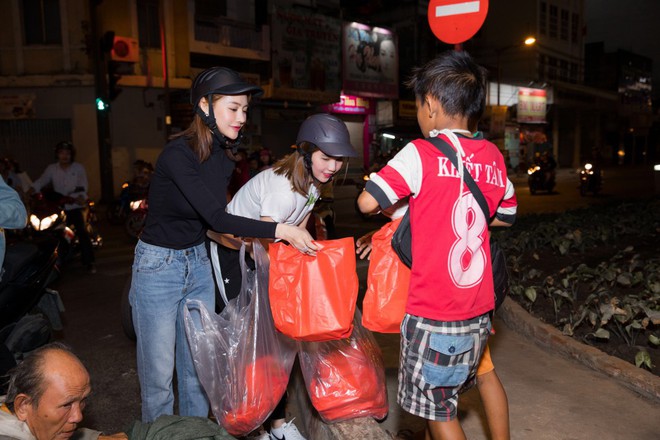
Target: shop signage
{"x":370,"y":61}
{"x":455,"y":21}
{"x":349,"y":104}
{"x":17,"y":106}
{"x":532,"y":105}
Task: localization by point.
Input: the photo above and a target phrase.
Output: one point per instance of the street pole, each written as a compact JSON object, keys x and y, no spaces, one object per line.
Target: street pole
{"x":102,"y":116}
{"x":499,"y":77}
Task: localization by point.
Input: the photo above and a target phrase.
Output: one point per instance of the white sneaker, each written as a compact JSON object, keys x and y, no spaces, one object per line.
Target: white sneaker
{"x":290,"y":432}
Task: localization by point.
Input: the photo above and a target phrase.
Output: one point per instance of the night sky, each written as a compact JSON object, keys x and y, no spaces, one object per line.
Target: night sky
{"x":633,"y":25}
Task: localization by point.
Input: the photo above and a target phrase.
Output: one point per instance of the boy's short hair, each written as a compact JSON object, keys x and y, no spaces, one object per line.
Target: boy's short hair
{"x":456,"y":81}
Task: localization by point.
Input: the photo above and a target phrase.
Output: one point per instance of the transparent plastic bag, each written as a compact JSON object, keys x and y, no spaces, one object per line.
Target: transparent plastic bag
{"x":345,"y":378}
{"x":242,"y":362}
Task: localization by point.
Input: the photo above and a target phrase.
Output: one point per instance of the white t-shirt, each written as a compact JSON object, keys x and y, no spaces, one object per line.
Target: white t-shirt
{"x":270,"y":195}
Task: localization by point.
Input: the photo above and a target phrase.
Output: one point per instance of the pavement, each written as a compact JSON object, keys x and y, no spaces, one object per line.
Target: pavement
{"x":552,"y":393}
{"x":558,"y":388}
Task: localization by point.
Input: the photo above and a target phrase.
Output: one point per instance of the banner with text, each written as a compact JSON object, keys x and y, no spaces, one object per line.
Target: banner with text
{"x":531,"y":105}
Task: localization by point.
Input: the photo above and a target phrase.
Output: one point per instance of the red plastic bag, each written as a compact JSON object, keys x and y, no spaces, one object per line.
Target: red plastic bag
{"x":314,"y":298}
{"x":242,"y":362}
{"x":345,"y":379}
{"x":266,"y":373}
{"x":388,"y":281}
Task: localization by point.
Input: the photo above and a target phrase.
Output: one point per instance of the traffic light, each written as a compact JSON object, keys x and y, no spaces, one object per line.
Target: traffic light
{"x":102,"y":105}
{"x":113,"y":78}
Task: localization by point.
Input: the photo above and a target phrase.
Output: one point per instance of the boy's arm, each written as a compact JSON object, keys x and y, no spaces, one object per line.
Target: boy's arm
{"x":506,"y":212}
{"x":367,"y":203}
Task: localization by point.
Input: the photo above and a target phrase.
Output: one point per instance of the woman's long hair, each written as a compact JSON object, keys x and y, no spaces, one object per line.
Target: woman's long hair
{"x":198,"y":136}
{"x":293,"y":168}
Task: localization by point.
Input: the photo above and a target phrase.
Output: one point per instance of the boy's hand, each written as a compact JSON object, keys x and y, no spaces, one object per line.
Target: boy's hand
{"x":363,"y":245}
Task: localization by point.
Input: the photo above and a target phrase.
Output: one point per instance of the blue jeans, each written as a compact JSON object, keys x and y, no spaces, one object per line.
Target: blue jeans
{"x":163,"y":279}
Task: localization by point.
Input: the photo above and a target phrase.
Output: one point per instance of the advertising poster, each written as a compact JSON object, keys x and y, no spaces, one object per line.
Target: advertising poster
{"x":370,"y":61}
{"x":306,"y":55}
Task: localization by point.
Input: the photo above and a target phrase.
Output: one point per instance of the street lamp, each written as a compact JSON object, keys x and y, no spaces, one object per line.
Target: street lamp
{"x":529,"y":41}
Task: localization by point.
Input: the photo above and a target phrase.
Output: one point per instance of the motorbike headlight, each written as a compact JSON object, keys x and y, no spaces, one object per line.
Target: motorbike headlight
{"x":35,"y":221}
{"x":44,"y":223}
{"x":588,"y":166}
{"x":135,"y":204}
{"x":533,"y":169}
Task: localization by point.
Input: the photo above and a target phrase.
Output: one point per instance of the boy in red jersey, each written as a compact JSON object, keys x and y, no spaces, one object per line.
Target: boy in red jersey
{"x":451,"y":295}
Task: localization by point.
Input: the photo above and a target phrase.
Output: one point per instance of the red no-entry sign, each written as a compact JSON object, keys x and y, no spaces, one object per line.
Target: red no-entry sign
{"x":455,"y":21}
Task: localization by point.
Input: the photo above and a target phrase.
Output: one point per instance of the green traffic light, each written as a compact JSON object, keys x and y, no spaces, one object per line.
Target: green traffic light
{"x":101,"y":105}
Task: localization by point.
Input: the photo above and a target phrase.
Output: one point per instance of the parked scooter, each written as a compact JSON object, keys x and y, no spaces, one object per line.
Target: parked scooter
{"x":29,"y":309}
{"x":591,"y":180}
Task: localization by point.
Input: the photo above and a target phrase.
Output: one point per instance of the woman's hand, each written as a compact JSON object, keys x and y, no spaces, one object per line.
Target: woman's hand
{"x":296,"y":237}
{"x":363,"y":245}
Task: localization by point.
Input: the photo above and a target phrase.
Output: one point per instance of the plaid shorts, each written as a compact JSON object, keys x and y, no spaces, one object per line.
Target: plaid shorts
{"x":438,"y":361}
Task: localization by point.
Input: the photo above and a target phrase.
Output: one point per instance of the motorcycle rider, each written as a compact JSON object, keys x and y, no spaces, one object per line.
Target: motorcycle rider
{"x":69,"y":179}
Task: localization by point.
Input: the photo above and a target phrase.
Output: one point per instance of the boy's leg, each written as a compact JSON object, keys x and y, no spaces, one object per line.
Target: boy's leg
{"x":444,"y":430}
{"x":438,"y":361}
{"x":493,"y":397}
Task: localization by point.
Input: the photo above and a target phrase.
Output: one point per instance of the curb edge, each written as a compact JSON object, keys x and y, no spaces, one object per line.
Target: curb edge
{"x":636,"y":379}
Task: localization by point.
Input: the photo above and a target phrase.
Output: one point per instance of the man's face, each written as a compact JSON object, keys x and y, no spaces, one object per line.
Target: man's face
{"x":59,"y":411}
{"x":64,"y":156}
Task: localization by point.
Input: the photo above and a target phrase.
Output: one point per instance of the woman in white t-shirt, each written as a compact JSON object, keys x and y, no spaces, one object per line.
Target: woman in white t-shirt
{"x":285,"y":193}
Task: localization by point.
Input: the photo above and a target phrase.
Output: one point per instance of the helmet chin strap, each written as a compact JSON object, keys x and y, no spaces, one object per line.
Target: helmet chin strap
{"x":209,"y":120}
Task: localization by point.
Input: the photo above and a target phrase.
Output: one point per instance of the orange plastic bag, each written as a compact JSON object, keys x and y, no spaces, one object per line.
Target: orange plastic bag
{"x":345,"y":379}
{"x":388,"y":281}
{"x":314,"y":298}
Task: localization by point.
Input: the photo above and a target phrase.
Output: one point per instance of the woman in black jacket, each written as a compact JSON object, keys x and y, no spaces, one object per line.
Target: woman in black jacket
{"x":187,"y":197}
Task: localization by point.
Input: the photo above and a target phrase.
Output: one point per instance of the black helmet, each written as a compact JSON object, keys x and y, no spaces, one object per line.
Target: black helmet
{"x":221,"y":81}
{"x":328,"y":133}
{"x":65,"y":145}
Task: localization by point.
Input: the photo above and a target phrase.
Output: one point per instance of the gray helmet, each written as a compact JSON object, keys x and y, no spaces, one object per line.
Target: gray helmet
{"x":221,"y":81}
{"x":327,"y":132}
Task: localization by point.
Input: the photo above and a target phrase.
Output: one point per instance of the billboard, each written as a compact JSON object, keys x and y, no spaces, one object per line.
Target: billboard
{"x":306,"y":55}
{"x":370,"y":61}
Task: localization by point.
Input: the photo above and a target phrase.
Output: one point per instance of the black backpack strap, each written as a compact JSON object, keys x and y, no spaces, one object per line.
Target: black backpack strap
{"x":448,"y":151}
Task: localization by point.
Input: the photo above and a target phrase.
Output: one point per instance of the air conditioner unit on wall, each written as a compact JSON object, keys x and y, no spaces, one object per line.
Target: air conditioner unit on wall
{"x":125,"y":49}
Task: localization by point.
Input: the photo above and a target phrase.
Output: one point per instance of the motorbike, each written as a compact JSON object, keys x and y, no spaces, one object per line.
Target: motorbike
{"x":540,"y":178}
{"x":48,"y":218}
{"x":120,"y":209}
{"x":591,"y":180}
{"x":29,"y":308}
{"x":135,"y":220}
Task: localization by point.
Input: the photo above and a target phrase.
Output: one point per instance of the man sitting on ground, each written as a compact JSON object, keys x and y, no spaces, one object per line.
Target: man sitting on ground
{"x":46,"y":396}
